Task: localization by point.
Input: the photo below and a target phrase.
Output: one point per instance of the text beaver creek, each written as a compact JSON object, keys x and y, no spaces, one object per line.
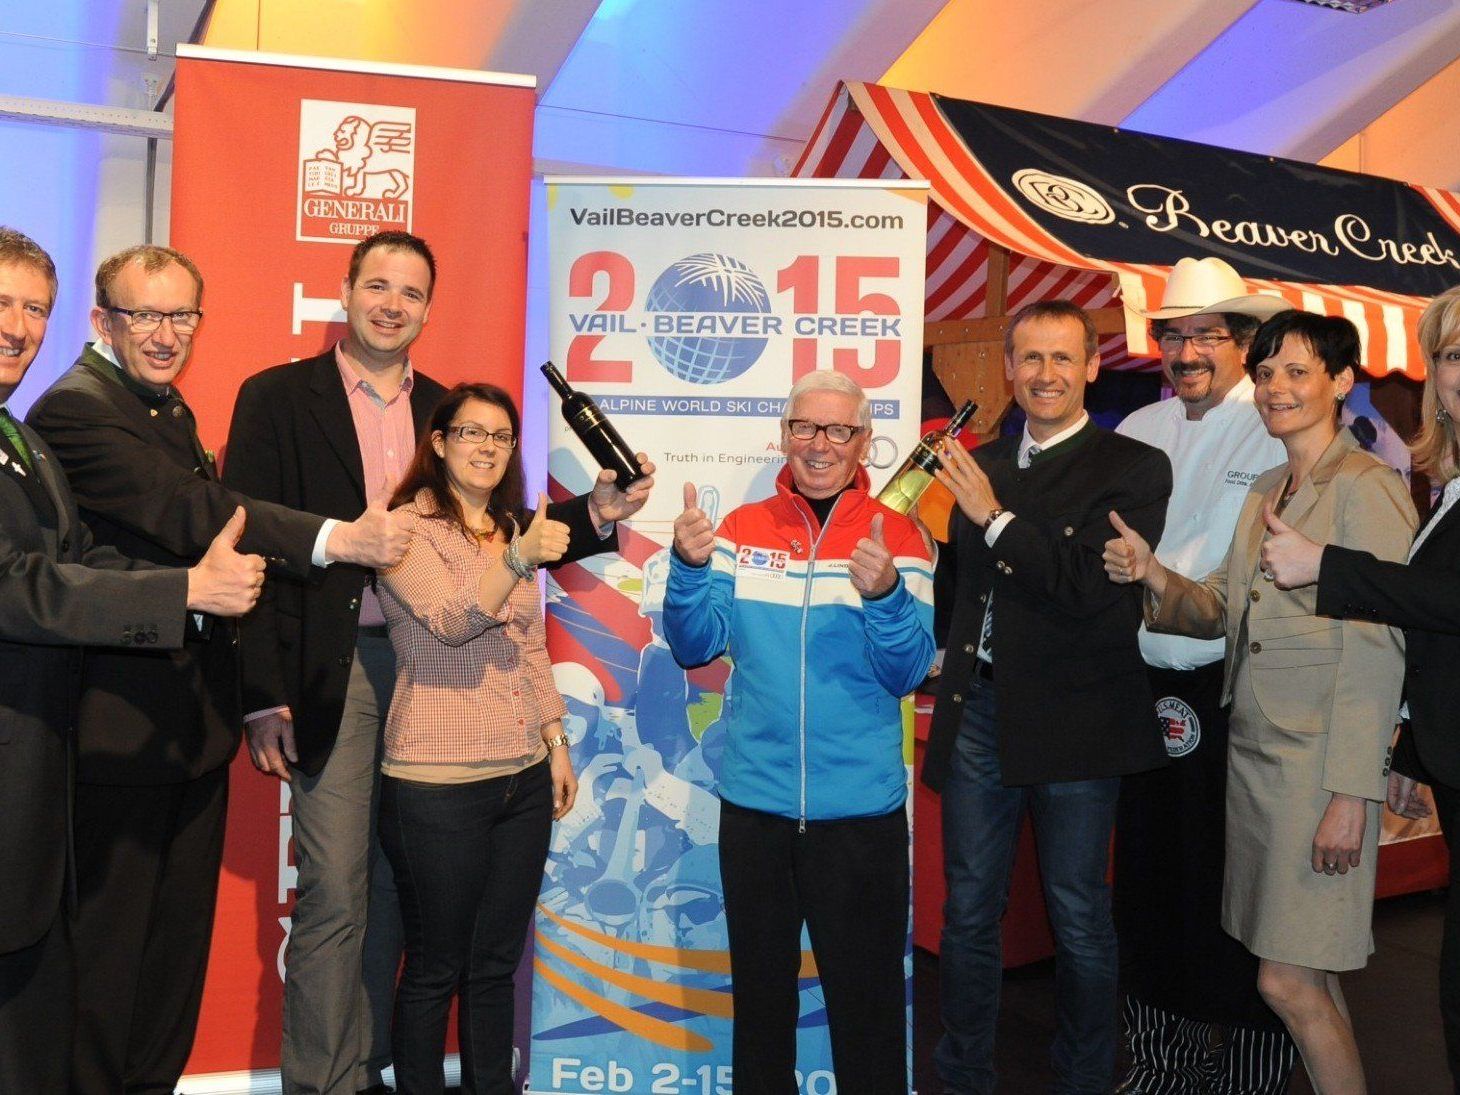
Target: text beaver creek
{"x":1168,"y":210}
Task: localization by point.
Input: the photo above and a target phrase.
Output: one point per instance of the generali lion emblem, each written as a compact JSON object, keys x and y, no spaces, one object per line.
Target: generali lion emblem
{"x":357,"y":167}
{"x":1180,"y":728}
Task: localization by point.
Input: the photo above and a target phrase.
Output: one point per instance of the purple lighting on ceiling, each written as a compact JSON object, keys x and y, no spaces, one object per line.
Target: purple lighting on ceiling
{"x":1358,"y":7}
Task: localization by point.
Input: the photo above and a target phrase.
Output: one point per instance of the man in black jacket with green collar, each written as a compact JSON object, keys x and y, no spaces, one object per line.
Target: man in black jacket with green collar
{"x":1044,"y":700}
{"x":156,"y":730}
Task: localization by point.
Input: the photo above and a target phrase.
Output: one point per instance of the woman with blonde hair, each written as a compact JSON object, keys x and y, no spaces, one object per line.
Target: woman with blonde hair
{"x":1423,"y":597}
{"x":1313,"y":699}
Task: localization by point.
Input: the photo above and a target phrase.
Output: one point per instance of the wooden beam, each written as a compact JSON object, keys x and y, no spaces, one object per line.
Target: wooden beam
{"x":975,"y":370}
{"x":1108,"y":321}
{"x":996,"y":281}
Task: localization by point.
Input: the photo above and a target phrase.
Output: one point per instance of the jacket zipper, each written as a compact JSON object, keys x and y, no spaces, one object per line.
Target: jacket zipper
{"x":805,"y":616}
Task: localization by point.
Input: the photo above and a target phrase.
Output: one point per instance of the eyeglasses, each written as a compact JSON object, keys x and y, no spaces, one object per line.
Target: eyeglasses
{"x":803,"y":429}
{"x":142,"y":320}
{"x":475,"y":435}
{"x":1174,"y":343}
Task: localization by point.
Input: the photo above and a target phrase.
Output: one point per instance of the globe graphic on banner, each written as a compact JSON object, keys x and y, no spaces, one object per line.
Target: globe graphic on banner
{"x":707,"y":285}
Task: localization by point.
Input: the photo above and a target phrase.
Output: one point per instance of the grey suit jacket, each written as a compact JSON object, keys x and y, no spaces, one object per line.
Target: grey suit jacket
{"x":56,"y":591}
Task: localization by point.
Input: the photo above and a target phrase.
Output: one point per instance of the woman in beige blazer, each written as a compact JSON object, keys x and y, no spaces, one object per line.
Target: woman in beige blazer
{"x":1313,"y":699}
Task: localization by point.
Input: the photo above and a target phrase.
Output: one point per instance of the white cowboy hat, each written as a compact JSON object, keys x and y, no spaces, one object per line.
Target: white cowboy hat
{"x":1197,"y":286}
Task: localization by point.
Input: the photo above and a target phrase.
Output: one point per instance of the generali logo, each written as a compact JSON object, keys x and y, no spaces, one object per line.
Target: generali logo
{"x":1063,"y":196}
{"x":357,"y":169}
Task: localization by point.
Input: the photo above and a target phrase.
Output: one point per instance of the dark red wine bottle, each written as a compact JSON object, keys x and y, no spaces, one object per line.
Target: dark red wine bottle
{"x":595,"y":430}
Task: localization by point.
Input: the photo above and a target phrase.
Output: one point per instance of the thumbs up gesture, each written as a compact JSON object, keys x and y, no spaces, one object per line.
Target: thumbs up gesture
{"x":872,"y":571}
{"x":694,"y":536}
{"x":1128,"y":557}
{"x":1288,"y":558}
{"x":377,"y":538}
{"x":225,"y":583}
{"x":546,"y":540}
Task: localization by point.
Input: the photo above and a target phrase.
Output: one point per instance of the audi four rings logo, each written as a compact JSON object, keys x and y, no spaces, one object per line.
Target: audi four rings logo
{"x":1067,"y":198}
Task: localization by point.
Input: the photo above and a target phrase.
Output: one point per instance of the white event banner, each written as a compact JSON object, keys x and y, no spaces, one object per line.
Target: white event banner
{"x":687,"y":308}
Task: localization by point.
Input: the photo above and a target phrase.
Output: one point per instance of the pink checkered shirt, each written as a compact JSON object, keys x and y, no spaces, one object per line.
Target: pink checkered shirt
{"x":470,"y":685}
{"x":386,"y":434}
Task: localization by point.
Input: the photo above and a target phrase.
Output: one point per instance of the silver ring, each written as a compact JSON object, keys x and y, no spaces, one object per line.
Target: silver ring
{"x":1268,"y":575}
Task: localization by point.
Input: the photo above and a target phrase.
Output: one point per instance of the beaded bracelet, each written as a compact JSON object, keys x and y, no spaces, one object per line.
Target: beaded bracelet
{"x":515,"y":563}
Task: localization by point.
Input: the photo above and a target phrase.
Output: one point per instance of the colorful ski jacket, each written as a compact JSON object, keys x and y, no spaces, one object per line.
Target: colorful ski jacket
{"x":813,"y":705}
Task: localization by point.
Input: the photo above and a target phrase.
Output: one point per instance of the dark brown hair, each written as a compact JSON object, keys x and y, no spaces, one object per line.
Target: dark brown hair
{"x":1052,"y":309}
{"x":428,"y":471}
{"x":393,"y":241}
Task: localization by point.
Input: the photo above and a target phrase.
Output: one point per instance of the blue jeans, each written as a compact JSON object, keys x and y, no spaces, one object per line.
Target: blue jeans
{"x":1072,"y":828}
{"x":468,"y":861}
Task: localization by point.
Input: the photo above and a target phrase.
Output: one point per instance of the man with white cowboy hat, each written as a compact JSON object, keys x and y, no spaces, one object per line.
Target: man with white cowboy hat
{"x":1193,"y":1017}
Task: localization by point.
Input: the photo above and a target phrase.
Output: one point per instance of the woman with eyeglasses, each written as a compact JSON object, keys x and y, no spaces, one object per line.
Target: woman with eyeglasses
{"x":1422,"y":596}
{"x":1313,"y":698}
{"x":476,"y":764}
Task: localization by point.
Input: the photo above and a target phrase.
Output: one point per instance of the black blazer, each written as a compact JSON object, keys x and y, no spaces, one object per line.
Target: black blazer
{"x":293,"y":441}
{"x":1422,"y":597}
{"x":1071,"y":689}
{"x":56,"y":589}
{"x":145,"y":486}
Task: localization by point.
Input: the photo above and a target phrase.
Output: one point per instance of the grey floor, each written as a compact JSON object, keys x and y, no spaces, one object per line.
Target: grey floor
{"x":1393,"y":1002}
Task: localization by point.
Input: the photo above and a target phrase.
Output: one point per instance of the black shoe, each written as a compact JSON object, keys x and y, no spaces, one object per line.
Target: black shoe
{"x":377,"y":1089}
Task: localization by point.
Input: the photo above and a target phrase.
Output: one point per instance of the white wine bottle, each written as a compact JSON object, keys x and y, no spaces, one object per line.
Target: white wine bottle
{"x":916,"y":474}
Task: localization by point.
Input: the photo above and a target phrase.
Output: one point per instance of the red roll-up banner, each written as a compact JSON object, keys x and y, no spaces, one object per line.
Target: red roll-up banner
{"x":281,"y":164}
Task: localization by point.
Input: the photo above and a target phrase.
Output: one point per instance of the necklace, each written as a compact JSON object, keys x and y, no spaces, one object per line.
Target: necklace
{"x":481,"y":534}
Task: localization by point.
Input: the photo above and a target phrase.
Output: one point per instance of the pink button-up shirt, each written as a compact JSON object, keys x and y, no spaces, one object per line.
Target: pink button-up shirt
{"x":387,"y":437}
{"x":469,"y":685}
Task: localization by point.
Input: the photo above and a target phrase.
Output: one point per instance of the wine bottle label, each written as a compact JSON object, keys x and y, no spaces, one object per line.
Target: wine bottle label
{"x":588,"y":416}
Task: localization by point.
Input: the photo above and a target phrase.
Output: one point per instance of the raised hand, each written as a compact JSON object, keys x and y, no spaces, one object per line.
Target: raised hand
{"x":546,"y":540}
{"x":377,"y":538}
{"x":871,"y":567}
{"x":967,"y":483}
{"x":694,"y":536}
{"x":271,"y":743}
{"x":1289,"y":559}
{"x":1128,"y":558}
{"x":608,"y":503}
{"x":225,"y":583}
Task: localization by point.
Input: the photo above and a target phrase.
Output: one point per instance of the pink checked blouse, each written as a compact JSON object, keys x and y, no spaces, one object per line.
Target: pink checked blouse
{"x":470,"y":685}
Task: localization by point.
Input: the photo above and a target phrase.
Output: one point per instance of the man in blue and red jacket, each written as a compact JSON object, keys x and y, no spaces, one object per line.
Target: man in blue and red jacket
{"x":822,"y":597}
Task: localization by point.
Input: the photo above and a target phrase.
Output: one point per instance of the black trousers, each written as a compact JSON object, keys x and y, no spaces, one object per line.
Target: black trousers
{"x":36,"y":1014}
{"x":468,"y":861}
{"x":1447,"y":805}
{"x":847,"y":881}
{"x":147,"y":861}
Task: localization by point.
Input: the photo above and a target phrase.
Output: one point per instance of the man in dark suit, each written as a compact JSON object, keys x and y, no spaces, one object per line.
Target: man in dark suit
{"x":1044,"y":698}
{"x":156,"y":731}
{"x":330,"y":434}
{"x":58,"y":589}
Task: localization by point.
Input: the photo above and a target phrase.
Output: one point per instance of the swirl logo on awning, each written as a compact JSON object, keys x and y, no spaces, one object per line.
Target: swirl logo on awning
{"x":1064,"y":197}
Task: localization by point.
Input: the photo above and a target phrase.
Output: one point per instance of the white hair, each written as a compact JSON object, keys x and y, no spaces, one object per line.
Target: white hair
{"x":831,"y":381}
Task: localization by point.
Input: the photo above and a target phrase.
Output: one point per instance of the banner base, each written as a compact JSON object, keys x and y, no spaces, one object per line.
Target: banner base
{"x":266,"y":1081}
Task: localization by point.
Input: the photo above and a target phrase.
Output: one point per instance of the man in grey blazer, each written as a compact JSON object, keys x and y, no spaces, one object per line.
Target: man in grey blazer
{"x":57,"y":591}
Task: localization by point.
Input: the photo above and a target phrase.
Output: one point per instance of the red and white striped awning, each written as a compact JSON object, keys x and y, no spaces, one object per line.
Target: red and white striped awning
{"x":870,"y":131}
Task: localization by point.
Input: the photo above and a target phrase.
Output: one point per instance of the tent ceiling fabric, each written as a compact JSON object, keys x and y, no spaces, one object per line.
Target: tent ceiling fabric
{"x":873,"y":131}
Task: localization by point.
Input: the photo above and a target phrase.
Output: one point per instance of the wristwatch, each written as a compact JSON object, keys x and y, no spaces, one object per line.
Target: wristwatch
{"x":994,"y":514}
{"x":555,"y":741}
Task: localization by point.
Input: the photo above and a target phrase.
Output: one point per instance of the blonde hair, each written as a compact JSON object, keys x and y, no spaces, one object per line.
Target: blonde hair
{"x":1436,"y":448}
